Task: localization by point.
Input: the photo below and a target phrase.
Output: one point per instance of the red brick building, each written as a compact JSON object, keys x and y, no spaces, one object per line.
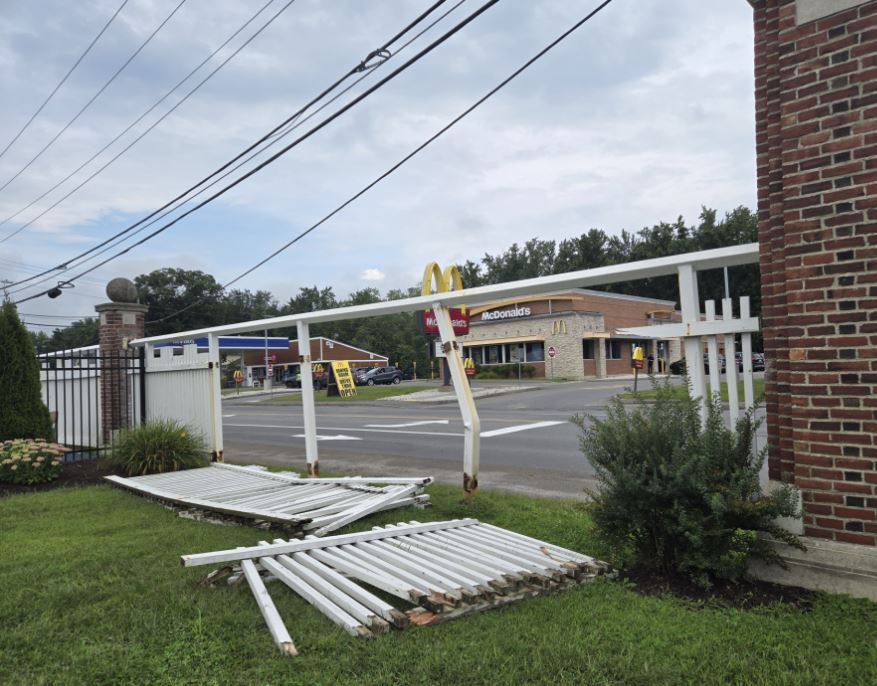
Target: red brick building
{"x":816,"y":128}
{"x":323,"y":350}
{"x":581,"y":328}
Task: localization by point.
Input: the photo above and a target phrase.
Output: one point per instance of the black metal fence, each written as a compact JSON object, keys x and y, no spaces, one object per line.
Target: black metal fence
{"x":91,"y":395}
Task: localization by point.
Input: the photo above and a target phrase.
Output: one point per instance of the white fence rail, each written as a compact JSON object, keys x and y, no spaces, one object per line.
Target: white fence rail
{"x":312,"y":505}
{"x":447,"y":569}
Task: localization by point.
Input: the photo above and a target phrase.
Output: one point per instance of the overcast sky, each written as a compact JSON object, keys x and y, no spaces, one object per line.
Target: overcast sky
{"x":644,"y":114}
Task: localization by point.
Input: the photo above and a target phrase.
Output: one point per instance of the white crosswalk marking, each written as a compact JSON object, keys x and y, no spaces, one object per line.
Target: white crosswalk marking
{"x":407,"y":424}
{"x":519,"y":427}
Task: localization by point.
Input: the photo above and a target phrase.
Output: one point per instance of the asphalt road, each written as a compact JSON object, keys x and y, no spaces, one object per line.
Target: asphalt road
{"x":528,"y":442}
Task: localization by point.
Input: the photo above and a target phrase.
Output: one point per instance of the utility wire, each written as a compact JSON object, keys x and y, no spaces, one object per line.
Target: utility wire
{"x":139,"y":119}
{"x":362,"y":96}
{"x":63,"y":80}
{"x":277,"y":138}
{"x":58,"y":316}
{"x":405,"y":159}
{"x":94,"y":97}
{"x":362,"y":66}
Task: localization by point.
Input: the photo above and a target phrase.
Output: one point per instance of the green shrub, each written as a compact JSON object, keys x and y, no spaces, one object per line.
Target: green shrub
{"x":161,"y":445}
{"x":680,"y":496}
{"x":27,"y":461}
{"x":22,"y":412}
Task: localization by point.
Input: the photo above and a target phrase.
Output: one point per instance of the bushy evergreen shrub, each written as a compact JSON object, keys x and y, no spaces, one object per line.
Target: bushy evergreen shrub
{"x":680,"y":496}
{"x":22,"y":412}
{"x":161,"y":445}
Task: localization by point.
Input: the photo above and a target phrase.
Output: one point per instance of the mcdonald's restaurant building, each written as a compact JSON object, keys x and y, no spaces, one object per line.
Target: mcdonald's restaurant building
{"x":573,"y":334}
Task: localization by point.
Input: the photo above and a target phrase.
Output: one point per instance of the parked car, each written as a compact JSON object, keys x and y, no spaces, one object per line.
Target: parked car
{"x":678,"y":367}
{"x":757,"y":361}
{"x":379,"y":375}
{"x":293,"y":380}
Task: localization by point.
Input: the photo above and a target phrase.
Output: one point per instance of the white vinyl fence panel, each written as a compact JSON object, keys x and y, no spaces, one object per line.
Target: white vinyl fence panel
{"x":185,"y":387}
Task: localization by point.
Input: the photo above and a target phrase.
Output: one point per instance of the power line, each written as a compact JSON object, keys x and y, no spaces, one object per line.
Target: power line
{"x":405,"y":159}
{"x":363,"y":66}
{"x":71,"y":317}
{"x":139,"y":119}
{"x":63,"y":80}
{"x":283,"y":151}
{"x":95,"y":96}
{"x":277,"y":138}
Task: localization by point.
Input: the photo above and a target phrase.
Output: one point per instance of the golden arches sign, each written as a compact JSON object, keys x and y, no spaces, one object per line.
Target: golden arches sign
{"x":445,"y":281}
{"x":437,"y":281}
{"x":558,"y":327}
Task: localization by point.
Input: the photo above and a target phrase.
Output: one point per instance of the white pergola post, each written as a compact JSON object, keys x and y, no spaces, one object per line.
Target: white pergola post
{"x":689,"y":300}
{"x":307,"y":399}
{"x":731,"y":364}
{"x":216,"y":447}
{"x":471,"y":422}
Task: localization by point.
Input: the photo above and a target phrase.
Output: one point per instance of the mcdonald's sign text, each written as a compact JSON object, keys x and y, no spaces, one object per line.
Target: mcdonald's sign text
{"x":459,"y":320}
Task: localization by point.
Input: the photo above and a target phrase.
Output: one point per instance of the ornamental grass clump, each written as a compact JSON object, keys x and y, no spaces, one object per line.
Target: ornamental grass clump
{"x":162,"y":445}
{"x":28,"y":461}
{"x":680,"y":496}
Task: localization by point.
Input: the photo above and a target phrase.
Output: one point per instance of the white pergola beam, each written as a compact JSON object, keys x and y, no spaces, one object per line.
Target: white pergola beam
{"x":483,"y":295}
{"x":719,"y":327}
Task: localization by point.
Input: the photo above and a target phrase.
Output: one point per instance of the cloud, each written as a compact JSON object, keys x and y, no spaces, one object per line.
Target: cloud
{"x":635,"y":119}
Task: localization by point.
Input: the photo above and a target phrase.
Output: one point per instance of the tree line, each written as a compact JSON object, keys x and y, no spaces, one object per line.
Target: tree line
{"x":181,"y":300}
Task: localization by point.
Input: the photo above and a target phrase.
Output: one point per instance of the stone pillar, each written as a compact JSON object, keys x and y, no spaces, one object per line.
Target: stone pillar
{"x":600,"y":344}
{"x":121,"y":320}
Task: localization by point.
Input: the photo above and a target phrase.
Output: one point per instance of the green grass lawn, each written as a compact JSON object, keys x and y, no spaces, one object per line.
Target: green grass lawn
{"x":93,"y":593}
{"x":646,"y":392}
{"x":362,"y":393}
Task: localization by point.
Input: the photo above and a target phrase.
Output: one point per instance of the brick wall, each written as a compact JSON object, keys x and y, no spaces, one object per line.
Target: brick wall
{"x":816,"y":134}
{"x":119,"y":323}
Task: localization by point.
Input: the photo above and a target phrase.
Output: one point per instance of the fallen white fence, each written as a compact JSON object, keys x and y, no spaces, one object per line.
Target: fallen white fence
{"x":309,"y":505}
{"x":446,"y":569}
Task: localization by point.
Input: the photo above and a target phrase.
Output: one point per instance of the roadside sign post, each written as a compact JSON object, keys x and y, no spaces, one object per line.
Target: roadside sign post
{"x":637,"y":363}
{"x":340,"y":380}
{"x":552,"y":353}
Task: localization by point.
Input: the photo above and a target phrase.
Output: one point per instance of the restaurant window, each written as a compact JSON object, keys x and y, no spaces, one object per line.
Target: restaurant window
{"x":514,"y":353}
{"x":493,"y":354}
{"x":535,"y":351}
{"x":477,"y":355}
{"x":617,"y":349}
{"x":589,"y":349}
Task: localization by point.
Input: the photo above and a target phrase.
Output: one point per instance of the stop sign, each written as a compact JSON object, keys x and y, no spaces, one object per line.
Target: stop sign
{"x":552,"y":352}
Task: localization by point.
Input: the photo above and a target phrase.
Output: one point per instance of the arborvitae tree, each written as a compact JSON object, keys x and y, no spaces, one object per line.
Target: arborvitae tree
{"x":22,"y":412}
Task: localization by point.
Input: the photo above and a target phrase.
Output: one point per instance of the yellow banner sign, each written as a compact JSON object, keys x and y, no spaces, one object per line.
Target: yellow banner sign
{"x":344,"y":378}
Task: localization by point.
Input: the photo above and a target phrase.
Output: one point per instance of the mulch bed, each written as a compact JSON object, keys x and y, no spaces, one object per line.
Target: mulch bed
{"x":81,"y":473}
{"x":746,"y":594}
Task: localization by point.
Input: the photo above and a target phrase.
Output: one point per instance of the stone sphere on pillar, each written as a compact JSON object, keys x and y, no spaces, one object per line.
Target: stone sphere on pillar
{"x":122,"y":290}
